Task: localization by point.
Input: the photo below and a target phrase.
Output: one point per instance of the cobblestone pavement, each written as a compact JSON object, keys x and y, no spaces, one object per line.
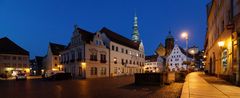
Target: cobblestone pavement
{"x":170,"y":91}
{"x":118,"y":87}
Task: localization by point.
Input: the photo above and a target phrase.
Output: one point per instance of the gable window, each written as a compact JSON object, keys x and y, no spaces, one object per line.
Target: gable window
{"x":113,"y":47}
{"x":122,"y":61}
{"x":116,"y":48}
{"x":93,"y":57}
{"x":79,"y":55}
{"x":103,"y":58}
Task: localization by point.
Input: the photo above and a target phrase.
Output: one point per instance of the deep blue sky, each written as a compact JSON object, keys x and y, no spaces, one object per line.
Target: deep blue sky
{"x":34,"y":23}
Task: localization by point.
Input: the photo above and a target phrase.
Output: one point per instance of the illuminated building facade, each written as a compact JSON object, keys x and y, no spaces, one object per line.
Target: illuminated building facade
{"x":222,"y":39}
{"x":13,"y":58}
{"x":52,"y":60}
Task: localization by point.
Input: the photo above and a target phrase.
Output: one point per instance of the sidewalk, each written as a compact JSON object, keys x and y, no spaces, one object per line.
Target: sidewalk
{"x":197,"y":87}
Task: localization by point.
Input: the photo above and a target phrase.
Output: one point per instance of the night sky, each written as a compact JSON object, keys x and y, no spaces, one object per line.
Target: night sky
{"x":32,"y":24}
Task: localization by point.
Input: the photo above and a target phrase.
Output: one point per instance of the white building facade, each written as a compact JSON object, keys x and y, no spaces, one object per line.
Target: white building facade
{"x":126,"y":56}
{"x":176,"y":59}
{"x":86,"y":56}
{"x":52,"y":60}
{"x":103,"y":53}
{"x":153,"y":63}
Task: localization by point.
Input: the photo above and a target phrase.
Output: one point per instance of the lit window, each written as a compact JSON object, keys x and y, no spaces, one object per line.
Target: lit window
{"x":115,"y":60}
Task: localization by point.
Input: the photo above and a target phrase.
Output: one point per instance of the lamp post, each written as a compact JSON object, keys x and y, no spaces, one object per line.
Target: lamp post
{"x":184,"y":35}
{"x":84,"y":65}
{"x":220,"y":44}
{"x":193,"y":50}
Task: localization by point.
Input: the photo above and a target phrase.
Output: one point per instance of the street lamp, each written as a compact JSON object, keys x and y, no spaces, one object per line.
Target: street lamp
{"x":193,"y":50}
{"x":84,"y":65}
{"x":220,"y":44}
{"x":204,"y":56}
{"x":184,"y":35}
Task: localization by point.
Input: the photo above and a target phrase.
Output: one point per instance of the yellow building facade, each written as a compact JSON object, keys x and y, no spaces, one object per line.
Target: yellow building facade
{"x":221,"y":47}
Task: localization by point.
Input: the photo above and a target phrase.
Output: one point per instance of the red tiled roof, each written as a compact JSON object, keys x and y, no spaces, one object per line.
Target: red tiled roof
{"x":86,"y":35}
{"x":120,"y":39}
{"x":9,"y":47}
{"x":56,"y":48}
{"x":151,"y":58}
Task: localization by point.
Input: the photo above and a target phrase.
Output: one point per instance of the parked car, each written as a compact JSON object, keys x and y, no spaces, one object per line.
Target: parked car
{"x":60,"y":76}
{"x":21,"y":76}
{"x":49,"y":73}
{"x":3,"y":76}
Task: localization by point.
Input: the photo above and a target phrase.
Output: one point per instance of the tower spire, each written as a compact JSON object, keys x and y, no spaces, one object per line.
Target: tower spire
{"x":135,"y":35}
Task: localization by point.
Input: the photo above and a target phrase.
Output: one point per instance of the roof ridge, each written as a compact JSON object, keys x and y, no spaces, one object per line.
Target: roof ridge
{"x":115,"y":33}
{"x":115,"y":37}
{"x":8,"y":46}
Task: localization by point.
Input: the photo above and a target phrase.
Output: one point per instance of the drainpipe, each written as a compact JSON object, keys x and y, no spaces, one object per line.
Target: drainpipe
{"x":109,"y":60}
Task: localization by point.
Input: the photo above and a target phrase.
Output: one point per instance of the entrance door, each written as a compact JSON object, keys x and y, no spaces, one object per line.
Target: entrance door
{"x":80,"y":72}
{"x":214,"y":63}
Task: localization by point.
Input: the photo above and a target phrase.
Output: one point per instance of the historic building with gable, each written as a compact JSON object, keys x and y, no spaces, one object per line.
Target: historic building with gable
{"x":103,"y":53}
{"x":176,"y":58}
{"x":13,"y":58}
{"x":154,"y":63}
{"x":52,"y":60}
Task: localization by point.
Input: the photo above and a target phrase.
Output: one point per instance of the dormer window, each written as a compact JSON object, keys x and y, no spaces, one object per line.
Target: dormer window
{"x":96,"y":42}
{"x":113,"y":47}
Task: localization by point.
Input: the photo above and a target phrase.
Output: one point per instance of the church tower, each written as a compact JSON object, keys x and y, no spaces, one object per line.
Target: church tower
{"x":135,"y":35}
{"x":169,"y":43}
